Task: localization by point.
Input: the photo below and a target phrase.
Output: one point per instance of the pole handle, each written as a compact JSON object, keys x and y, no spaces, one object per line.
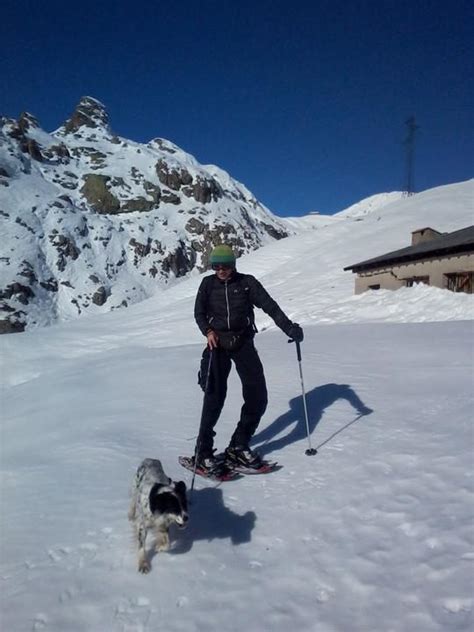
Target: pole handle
{"x":298,"y":348}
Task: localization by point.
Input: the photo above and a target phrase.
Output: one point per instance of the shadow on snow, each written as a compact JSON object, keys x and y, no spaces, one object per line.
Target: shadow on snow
{"x":317,"y":400}
{"x":211,"y":519}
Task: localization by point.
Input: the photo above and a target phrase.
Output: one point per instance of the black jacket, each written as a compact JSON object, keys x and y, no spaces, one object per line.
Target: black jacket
{"x":228,"y":306}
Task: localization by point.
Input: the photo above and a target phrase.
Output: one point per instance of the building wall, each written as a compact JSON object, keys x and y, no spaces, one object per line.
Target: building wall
{"x":393,"y":278}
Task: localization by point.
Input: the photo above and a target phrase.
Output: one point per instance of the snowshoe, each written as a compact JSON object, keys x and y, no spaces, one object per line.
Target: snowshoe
{"x":244,"y":461}
{"x":213,"y":469}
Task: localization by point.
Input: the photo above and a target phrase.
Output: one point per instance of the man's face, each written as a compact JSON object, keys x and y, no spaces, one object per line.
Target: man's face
{"x":222,"y":271}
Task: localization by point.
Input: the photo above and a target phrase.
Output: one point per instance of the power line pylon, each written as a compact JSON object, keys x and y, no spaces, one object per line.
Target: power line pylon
{"x":409,"y":143}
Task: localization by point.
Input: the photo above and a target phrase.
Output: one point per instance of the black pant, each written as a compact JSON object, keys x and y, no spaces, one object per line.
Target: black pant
{"x":254,"y":391}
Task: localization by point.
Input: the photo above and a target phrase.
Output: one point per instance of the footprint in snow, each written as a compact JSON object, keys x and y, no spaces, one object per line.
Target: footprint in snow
{"x":182,"y":602}
{"x":40,"y":622}
{"x":88,"y":552}
{"x":133,"y":615}
{"x":322,"y":596}
{"x":68,"y":594}
{"x":255,"y":564}
{"x":455,"y":605}
{"x":54,"y":556}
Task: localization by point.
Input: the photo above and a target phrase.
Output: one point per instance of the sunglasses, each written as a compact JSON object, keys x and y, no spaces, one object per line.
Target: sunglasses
{"x":221,"y":266}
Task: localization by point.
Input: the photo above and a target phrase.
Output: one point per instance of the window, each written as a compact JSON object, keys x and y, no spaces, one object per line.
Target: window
{"x":417,"y":279}
{"x":460,"y":282}
{"x":374,"y":287}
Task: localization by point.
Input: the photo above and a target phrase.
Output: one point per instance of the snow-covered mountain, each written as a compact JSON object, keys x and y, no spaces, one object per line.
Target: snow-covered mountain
{"x":92,"y":221}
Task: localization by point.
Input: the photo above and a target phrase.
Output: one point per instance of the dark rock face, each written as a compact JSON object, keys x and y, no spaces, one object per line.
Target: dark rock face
{"x":88,"y":113}
{"x":170,"y":198}
{"x":97,"y":194}
{"x":172,"y":178}
{"x":153,"y":190}
{"x":195,"y":226}
{"x":181,"y":261}
{"x":11,"y":326}
{"x":141,"y":250}
{"x":26,"y":122}
{"x":32,"y":148}
{"x":100,"y":296}
{"x":51,"y":285}
{"x":138,"y":204}
{"x":22,"y":293}
{"x":273,"y":232}
{"x":206,"y":190}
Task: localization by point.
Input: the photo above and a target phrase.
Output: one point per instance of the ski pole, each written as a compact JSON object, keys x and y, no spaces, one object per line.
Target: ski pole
{"x":198,"y":446}
{"x":310,"y":451}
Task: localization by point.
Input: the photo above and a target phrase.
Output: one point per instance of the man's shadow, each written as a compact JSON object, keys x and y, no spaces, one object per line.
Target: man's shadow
{"x":209,"y":519}
{"x":317,"y":400}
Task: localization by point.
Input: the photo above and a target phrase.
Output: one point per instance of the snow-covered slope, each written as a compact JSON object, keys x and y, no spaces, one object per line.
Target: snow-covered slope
{"x":92,"y":222}
{"x":371,"y":204}
{"x":361,"y":209}
{"x":372,"y":534}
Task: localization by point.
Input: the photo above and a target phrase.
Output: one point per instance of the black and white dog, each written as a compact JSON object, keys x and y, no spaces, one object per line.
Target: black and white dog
{"x":157,"y":502}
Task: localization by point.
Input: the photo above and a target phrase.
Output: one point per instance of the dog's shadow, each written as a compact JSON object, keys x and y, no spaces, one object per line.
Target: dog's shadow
{"x":293,"y":420}
{"x":209,"y":519}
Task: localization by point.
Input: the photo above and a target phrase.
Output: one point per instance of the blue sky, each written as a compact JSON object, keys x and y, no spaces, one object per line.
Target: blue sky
{"x":305,"y":103}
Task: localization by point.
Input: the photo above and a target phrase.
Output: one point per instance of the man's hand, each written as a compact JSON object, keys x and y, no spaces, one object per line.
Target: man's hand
{"x":296,"y":333}
{"x":212,"y":339}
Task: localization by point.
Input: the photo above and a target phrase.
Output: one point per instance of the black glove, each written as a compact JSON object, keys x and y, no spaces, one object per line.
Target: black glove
{"x":295,"y":332}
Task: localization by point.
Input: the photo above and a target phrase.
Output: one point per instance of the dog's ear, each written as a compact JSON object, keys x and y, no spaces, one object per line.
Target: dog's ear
{"x":180,"y":489}
{"x":154,"y":494}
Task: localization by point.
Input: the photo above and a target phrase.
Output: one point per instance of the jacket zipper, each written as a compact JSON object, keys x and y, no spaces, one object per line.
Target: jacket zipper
{"x":228,"y":307}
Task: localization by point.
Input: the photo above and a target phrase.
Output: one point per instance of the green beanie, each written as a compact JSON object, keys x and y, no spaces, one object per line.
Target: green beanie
{"x":223,"y":254}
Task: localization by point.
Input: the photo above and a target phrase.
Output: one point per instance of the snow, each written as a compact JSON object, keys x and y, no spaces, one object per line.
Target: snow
{"x":371,"y":204}
{"x":373,"y":533}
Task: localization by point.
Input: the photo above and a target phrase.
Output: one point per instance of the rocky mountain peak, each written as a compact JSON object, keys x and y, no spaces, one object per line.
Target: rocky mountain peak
{"x":89,"y":112}
{"x":27,"y":121}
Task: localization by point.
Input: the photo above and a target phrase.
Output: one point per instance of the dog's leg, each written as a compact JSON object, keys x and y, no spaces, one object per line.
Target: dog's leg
{"x":143,"y":563}
{"x":132,"y":512}
{"x":162,"y":542}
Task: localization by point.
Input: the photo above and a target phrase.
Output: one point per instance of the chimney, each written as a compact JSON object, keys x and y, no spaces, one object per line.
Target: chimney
{"x":424,"y":234}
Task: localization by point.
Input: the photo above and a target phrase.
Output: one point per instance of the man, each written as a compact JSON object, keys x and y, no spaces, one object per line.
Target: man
{"x":224,"y":313}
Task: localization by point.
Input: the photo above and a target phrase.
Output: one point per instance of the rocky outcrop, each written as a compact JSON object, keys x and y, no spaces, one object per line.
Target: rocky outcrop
{"x":22,"y":293}
{"x":139,"y":204}
{"x":88,"y":113}
{"x":100,"y":296}
{"x":27,"y":122}
{"x":11,"y":326}
{"x":98,"y":195}
{"x":181,"y":261}
{"x":66,"y":249}
{"x":171,"y":177}
{"x":204,"y":190}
